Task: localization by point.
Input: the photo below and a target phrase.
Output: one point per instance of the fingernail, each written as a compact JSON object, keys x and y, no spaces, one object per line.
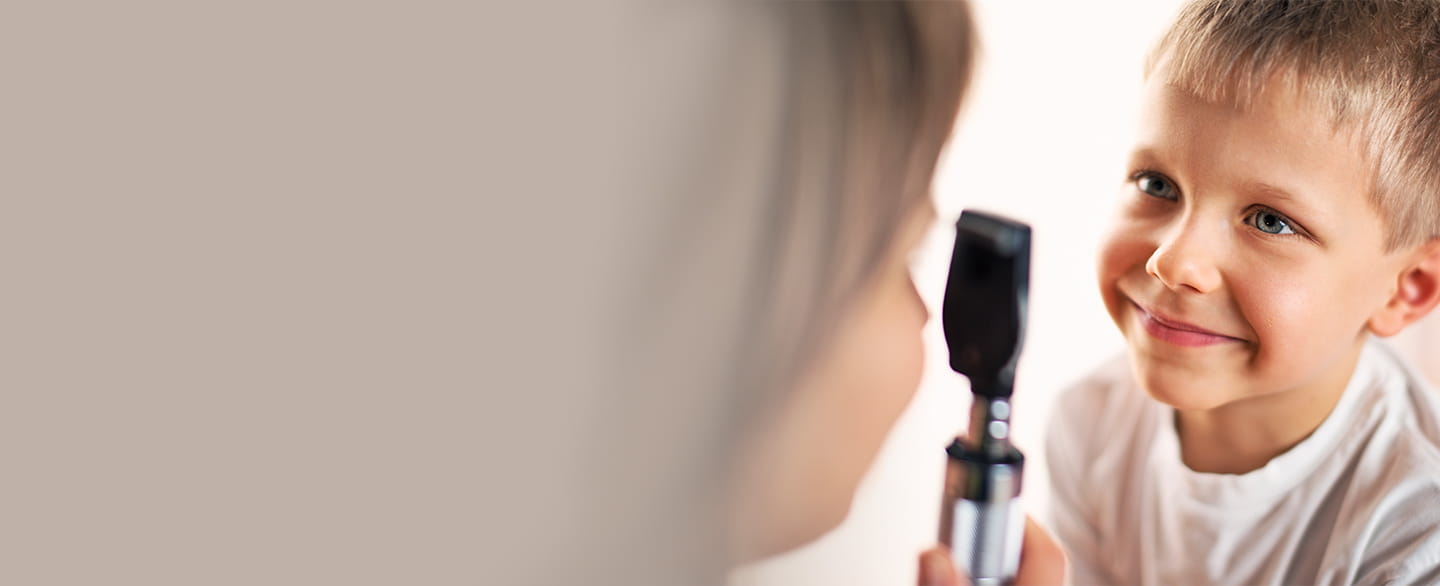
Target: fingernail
{"x":935,"y":571}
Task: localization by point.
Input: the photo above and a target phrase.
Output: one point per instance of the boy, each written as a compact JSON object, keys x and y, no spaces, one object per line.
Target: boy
{"x":1282,"y":206}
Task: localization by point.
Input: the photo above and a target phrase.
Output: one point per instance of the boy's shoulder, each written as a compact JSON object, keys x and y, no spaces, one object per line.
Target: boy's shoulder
{"x":1396,"y":496}
{"x":1394,"y":492}
{"x":1411,"y":402}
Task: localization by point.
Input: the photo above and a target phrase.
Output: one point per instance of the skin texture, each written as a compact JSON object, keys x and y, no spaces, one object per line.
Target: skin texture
{"x":801,"y":470}
{"x":1207,"y":184}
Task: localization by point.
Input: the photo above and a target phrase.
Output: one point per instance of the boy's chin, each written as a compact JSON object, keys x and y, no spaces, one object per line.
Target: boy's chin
{"x":1185,"y":399}
{"x":1185,"y":391}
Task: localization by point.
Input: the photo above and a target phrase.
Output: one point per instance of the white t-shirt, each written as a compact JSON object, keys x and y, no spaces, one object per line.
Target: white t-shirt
{"x":1356,"y":502}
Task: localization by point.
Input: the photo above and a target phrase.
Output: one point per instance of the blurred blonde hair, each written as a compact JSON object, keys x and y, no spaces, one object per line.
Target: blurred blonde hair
{"x":1374,"y":64}
{"x":874,"y":90}
{"x":774,"y":173}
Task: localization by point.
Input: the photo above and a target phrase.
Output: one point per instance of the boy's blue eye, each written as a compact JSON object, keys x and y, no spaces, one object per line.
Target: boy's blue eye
{"x":1270,"y":222}
{"x":1156,"y":185}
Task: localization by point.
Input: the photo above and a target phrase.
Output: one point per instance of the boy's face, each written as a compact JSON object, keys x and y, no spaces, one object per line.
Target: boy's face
{"x":1246,"y":259}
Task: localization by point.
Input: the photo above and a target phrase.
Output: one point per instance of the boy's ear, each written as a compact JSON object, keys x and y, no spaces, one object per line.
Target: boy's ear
{"x":1417,"y":292}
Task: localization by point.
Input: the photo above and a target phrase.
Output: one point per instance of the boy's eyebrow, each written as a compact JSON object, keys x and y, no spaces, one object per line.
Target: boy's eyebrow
{"x":1143,"y":154}
{"x":1277,"y":192}
{"x":1272,"y":190}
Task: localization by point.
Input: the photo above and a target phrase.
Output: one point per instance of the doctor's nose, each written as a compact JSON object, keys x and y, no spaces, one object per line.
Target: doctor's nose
{"x":1184,"y":259}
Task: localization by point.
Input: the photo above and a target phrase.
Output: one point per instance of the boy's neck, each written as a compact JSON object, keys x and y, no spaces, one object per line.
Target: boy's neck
{"x":1243,"y":436}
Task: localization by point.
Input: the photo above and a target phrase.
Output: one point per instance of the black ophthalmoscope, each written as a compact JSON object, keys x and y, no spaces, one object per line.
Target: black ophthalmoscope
{"x":981,"y":519}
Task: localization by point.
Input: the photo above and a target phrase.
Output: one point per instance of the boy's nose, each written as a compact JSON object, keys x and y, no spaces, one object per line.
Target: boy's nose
{"x":1185,"y":260}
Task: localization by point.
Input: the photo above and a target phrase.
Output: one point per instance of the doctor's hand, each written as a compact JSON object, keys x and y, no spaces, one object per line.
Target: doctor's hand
{"x":1041,"y":562}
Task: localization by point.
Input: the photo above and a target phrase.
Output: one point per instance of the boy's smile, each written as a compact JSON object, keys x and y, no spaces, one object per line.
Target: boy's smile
{"x":1177,"y":332}
{"x":1247,"y":258}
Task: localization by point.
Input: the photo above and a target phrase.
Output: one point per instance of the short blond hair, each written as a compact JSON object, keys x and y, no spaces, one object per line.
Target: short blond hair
{"x":1374,"y":64}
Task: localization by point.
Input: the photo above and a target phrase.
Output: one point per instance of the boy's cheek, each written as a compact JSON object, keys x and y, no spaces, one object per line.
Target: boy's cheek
{"x":1121,"y":271}
{"x":1284,"y":304}
{"x":1121,"y":251}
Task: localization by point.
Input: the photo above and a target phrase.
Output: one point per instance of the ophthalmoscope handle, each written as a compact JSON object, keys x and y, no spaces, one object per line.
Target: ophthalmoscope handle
{"x":982,"y":520}
{"x":984,"y":314}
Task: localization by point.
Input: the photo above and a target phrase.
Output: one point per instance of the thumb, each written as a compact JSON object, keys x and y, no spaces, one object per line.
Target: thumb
{"x":936,"y":569}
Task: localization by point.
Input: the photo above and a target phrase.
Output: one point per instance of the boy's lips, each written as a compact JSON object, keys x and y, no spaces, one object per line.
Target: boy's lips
{"x":1178,"y":332}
